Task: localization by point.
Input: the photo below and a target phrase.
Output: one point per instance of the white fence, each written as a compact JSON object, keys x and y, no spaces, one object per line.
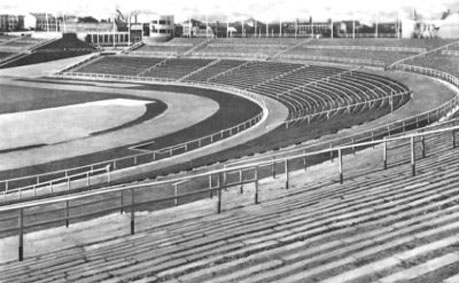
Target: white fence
{"x":66,"y":176}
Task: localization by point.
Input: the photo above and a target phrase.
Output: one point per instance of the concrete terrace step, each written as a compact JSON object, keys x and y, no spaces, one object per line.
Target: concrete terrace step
{"x":363,"y":230}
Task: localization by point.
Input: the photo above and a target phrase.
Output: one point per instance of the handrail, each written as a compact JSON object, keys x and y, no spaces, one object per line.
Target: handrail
{"x":336,"y":109}
{"x":368,"y":48}
{"x":108,"y":190}
{"x":443,"y":109}
{"x":216,"y":136}
{"x":422,"y":54}
{"x":332,"y":59}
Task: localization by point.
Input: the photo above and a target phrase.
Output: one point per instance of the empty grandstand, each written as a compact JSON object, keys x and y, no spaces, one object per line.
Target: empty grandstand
{"x":322,"y":194}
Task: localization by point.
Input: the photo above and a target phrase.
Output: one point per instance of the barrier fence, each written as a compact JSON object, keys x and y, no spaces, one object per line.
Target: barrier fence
{"x":17,"y":219}
{"x":29,"y":182}
{"x":19,"y":185}
{"x":367,"y":48}
{"x":400,"y":126}
{"x":333,"y":59}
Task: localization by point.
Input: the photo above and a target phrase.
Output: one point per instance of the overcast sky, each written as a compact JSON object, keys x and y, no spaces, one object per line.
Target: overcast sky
{"x":239,"y":9}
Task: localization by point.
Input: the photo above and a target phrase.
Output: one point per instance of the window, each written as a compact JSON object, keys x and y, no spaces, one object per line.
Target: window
{"x":162,"y":22}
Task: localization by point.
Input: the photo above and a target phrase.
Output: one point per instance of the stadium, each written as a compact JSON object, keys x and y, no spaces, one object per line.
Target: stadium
{"x":234,"y":159}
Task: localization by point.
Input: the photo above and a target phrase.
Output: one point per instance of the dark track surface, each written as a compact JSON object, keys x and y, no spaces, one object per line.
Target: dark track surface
{"x":233,"y":110}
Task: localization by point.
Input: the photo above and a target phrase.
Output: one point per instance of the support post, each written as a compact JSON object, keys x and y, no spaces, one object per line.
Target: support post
{"x":286,"y":174}
{"x":331,"y":152}
{"x":385,"y":154}
{"x":67,"y":213}
{"x":305,"y":164}
{"x":454,"y":138}
{"x":132,"y":212}
{"x":353,"y":147}
{"x":210,"y":186}
{"x":21,"y":235}
{"x":423,"y":146}
{"x":413,"y":158}
{"x":273,"y":168}
{"x":340,"y":165}
{"x":220,"y":188}
{"x":240,"y":180}
{"x":256,"y":185}
{"x":176,"y":194}
{"x":122,"y":202}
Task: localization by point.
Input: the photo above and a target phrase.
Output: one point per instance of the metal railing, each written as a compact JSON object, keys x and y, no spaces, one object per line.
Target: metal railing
{"x":399,"y":62}
{"x":333,"y":59}
{"x":367,"y":48}
{"x":399,"y":126}
{"x":73,"y":207}
{"x":348,"y":107}
{"x":34,"y":182}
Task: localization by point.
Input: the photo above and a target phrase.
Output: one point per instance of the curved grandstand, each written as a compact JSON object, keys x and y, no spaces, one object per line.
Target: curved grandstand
{"x":275,"y":98}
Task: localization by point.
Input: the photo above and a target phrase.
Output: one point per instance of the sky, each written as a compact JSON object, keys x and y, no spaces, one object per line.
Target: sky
{"x":235,"y":10}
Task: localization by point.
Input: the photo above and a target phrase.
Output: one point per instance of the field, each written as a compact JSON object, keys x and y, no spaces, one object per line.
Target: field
{"x":232,"y":110}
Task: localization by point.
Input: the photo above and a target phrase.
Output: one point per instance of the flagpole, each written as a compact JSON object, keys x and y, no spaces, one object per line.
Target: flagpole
{"x":376,"y":28}
{"x":331,"y":28}
{"x":207,"y":27}
{"x":267,"y":29}
{"x":47,"y":22}
{"x":280,"y":27}
{"x":129,"y":29}
{"x":353,"y":26}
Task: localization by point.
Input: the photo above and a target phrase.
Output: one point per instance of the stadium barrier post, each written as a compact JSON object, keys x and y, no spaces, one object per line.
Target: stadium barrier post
{"x":176,"y":194}
{"x":286,"y":174}
{"x":154,"y":155}
{"x":34,"y":188}
{"x":6,"y":186}
{"x":340,"y":165}
{"x":21,"y":234}
{"x":373,"y":138}
{"x":385,"y":154}
{"x":413,"y":158}
{"x":240,"y":180}
{"x":417,"y":122}
{"x":51,"y":187}
{"x":210,"y":186}
{"x":256,"y":185}
{"x":273,"y":168}
{"x":388,"y":130}
{"x":135,"y":160}
{"x":331,"y":152}
{"x":454,"y":138}
{"x":122,"y":202}
{"x":87,"y":179}
{"x":67,"y":213}
{"x":220,"y":187}
{"x":305,"y":164}
{"x":423,"y":146}
{"x":132,"y":212}
{"x":403,"y":126}
{"x":353,"y":147}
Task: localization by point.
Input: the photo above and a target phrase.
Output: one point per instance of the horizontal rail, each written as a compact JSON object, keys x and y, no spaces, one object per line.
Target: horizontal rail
{"x":236,"y":169}
{"x":155,"y":155}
